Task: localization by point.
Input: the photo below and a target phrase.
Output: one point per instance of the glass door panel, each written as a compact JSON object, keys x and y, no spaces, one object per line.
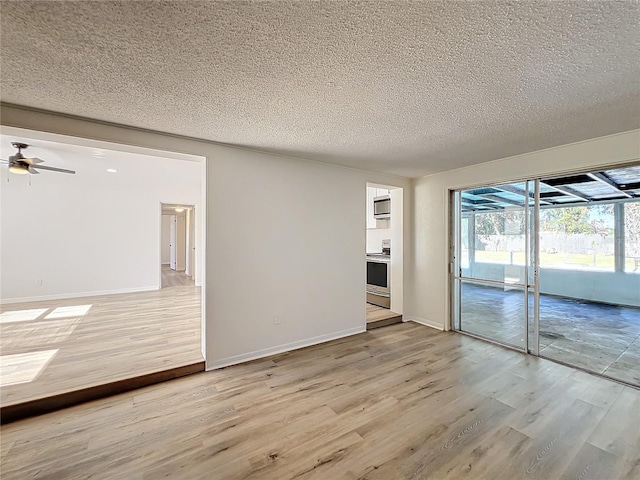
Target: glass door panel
{"x":497,"y":243}
{"x":492,"y":262}
{"x":589,"y":300}
{"x":493,"y":312}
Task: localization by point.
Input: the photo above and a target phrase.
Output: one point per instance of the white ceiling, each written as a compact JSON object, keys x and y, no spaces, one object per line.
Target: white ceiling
{"x":401,"y":87}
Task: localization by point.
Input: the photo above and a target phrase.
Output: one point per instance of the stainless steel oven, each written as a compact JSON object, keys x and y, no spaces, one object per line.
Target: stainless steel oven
{"x":378,"y":284}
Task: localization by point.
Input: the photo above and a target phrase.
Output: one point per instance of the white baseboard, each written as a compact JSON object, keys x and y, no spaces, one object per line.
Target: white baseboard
{"x":63,"y":296}
{"x":424,"y":321}
{"x":267,"y":352}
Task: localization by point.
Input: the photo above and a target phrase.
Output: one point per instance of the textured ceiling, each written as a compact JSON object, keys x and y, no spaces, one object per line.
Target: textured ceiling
{"x":401,"y":87}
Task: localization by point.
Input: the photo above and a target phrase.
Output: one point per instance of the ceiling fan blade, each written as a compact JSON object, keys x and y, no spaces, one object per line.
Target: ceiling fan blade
{"x":32,"y":161}
{"x":4,"y":161}
{"x":32,"y":171}
{"x":53,"y":169}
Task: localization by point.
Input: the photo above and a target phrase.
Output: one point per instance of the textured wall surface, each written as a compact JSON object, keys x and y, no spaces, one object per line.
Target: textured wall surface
{"x":401,"y":87}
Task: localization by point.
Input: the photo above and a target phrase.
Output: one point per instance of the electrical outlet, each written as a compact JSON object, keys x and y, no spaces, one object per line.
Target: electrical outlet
{"x":276,"y":320}
{"x":39,"y":282}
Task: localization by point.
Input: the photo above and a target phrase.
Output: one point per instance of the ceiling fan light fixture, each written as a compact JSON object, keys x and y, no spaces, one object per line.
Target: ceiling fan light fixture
{"x":19,"y":169}
{"x":20,"y":165}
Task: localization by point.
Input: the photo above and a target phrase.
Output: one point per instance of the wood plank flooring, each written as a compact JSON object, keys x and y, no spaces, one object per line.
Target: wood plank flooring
{"x":381,"y":317}
{"x":171,"y":278}
{"x":53,"y":347}
{"x":401,"y":402}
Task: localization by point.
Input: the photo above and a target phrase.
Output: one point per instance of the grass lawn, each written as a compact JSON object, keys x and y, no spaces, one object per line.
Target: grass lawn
{"x":558,"y":260}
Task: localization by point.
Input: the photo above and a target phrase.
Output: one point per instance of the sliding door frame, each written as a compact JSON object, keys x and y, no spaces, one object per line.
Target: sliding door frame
{"x":532,"y":346}
{"x":531,"y":263}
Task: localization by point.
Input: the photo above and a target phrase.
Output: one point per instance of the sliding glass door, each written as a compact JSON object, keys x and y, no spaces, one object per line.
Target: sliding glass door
{"x":552,"y":267}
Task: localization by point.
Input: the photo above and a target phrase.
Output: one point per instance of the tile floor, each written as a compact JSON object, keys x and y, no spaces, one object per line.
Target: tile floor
{"x":597,"y":337}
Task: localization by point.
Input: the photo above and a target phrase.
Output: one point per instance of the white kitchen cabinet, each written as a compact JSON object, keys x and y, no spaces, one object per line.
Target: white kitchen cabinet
{"x":371,"y":194}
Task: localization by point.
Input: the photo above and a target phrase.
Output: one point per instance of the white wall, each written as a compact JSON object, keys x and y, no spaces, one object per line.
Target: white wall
{"x":609,"y":287}
{"x":618,"y":288}
{"x":165,"y":239}
{"x":278,"y":241}
{"x":286,"y":247}
{"x":375,"y":237}
{"x":427,"y":284}
{"x":90,"y":233}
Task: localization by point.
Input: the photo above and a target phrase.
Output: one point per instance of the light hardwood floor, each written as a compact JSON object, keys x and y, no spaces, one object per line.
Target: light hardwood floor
{"x":171,"y":278}
{"x":401,"y":402}
{"x":381,"y":317}
{"x":58,"y":346}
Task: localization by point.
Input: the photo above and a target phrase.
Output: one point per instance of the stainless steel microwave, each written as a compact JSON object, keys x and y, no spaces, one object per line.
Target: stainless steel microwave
{"x":382,"y":207}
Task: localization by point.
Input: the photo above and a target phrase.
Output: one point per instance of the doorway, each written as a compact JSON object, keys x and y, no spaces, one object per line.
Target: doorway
{"x":384,"y":255}
{"x":177,"y":238}
{"x":71,"y":331}
{"x":548,"y":266}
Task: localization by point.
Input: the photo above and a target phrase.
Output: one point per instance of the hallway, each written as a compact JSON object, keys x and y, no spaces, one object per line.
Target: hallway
{"x":171,"y":278}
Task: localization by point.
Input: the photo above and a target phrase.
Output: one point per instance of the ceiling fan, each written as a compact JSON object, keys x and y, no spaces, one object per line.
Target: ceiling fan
{"x":21,"y":165}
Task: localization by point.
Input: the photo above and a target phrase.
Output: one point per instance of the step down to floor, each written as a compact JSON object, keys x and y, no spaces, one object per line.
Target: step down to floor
{"x":31,"y":408}
{"x":384,"y":322}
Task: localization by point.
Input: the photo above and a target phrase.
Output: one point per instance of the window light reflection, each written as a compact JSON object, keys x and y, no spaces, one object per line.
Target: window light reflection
{"x":23,"y":367}
{"x":72,"y":311}
{"x":21,"y":315}
{"x":23,"y":337}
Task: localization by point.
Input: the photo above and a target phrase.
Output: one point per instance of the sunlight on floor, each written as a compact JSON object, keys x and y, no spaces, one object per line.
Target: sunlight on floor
{"x":18,"y":334}
{"x":99,"y":340}
{"x":23,"y":367}
{"x":72,"y":311}
{"x":21,"y":315}
{"x":26,"y":336}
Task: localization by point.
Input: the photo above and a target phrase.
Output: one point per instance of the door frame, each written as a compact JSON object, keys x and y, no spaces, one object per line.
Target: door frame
{"x":531,"y":264}
{"x":191,"y":243}
{"x":397,"y":264}
{"x":197,"y":265}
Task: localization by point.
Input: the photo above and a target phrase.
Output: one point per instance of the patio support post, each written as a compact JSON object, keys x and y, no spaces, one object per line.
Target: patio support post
{"x":472,"y":242}
{"x":618,"y":233}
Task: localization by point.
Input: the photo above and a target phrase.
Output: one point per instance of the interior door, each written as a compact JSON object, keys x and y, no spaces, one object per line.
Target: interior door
{"x":172,"y":242}
{"x":181,"y":242}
